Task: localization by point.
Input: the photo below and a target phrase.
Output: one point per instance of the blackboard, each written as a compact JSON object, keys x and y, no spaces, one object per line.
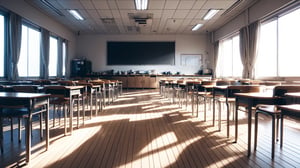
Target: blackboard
{"x":140,"y":53}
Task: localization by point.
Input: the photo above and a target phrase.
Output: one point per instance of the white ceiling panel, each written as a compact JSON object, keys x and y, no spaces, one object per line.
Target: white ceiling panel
{"x":105,"y":13}
{"x":186,"y":4}
{"x":125,"y":4}
{"x":100,"y":4}
{"x":181,"y":13}
{"x":87,"y":4}
{"x":156,"y":4}
{"x":186,"y":13}
{"x":171,"y":4}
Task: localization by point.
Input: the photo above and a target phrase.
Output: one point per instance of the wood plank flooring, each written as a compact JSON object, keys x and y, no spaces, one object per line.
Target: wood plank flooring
{"x":143,"y":129}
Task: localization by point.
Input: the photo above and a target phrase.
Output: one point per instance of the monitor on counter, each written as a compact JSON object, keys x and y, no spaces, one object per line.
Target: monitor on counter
{"x":140,"y":53}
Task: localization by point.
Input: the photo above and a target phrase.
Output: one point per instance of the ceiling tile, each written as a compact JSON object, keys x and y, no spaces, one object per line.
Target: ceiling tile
{"x":192,"y":13}
{"x":105,"y":13}
{"x":186,"y":4}
{"x":100,"y":4}
{"x":180,"y":13}
{"x":126,"y":4}
{"x":199,"y":4}
{"x":156,"y":4}
{"x":171,"y":4}
{"x":87,"y":4}
{"x":168,"y":13}
{"x":71,"y":4}
{"x":221,"y":4}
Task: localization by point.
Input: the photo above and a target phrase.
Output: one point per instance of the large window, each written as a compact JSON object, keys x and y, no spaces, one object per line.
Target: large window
{"x":229,"y":61}
{"x":29,"y":61}
{"x":2,"y":38}
{"x":53,"y":56}
{"x":279,"y":51}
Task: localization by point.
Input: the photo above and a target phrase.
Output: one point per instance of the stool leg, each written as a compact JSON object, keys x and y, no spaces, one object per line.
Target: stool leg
{"x":281,"y":132}
{"x":1,"y":135}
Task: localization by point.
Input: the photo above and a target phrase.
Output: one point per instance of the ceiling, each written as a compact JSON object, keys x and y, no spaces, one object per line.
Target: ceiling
{"x":162,"y":16}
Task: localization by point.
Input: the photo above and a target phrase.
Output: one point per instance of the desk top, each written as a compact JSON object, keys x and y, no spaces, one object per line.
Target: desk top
{"x":255,"y":95}
{"x":22,"y":95}
{"x":294,"y":94}
{"x":292,"y":107}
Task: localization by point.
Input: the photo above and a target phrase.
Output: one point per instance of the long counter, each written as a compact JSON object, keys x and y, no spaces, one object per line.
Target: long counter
{"x":148,"y":81}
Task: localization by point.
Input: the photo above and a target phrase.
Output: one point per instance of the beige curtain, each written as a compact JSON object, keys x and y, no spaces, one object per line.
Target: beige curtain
{"x":248,"y":48}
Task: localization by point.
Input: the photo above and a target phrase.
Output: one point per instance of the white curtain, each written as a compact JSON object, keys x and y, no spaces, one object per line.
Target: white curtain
{"x":45,"y":44}
{"x":248,"y":48}
{"x":14,"y":37}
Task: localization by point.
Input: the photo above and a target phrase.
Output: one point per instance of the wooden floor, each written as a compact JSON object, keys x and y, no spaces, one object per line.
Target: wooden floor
{"x":143,"y":129}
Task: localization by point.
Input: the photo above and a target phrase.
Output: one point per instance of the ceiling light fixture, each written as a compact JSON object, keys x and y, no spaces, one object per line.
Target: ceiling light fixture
{"x":196,"y":27}
{"x":141,"y":4}
{"x":75,"y":14}
{"x":211,"y":13}
{"x":49,"y":5}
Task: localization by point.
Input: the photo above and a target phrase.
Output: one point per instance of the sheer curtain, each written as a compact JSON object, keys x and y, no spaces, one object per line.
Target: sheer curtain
{"x":248,"y":48}
{"x":216,"y":55}
{"x":45,"y":44}
{"x":14,"y":37}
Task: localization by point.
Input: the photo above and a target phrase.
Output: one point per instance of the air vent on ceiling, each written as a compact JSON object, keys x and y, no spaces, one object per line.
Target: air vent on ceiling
{"x":108,"y":20}
{"x":53,"y":8}
{"x":140,"y":18}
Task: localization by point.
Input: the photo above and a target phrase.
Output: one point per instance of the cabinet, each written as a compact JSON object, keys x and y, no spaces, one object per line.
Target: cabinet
{"x":80,"y":68}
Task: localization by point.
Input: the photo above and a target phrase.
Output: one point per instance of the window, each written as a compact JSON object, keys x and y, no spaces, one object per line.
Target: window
{"x":279,"y":52}
{"x":53,"y":56}
{"x":2,"y":42}
{"x":229,"y":61}
{"x":29,"y":61}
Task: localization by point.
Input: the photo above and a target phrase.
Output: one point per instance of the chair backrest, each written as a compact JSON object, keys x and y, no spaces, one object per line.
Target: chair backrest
{"x":280,"y":91}
{"x":25,"y":88}
{"x":231,"y":90}
{"x":56,"y":91}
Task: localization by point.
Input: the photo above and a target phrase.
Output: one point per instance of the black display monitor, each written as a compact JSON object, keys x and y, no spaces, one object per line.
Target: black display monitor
{"x":140,"y":53}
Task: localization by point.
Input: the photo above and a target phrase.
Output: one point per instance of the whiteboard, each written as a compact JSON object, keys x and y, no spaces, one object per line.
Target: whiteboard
{"x":191,"y":59}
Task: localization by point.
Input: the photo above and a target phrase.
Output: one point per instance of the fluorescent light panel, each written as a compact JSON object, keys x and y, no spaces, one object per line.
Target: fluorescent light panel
{"x":196,"y":27}
{"x":141,"y":4}
{"x":211,"y":13}
{"x":76,"y":14}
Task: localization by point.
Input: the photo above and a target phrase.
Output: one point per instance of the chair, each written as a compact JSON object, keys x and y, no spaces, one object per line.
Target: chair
{"x":229,"y":99}
{"x":272,"y":110}
{"x":58,"y":98}
{"x":20,"y":112}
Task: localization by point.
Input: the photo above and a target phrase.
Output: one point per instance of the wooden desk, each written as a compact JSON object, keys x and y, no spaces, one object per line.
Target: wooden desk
{"x":250,"y":100}
{"x":30,"y":101}
{"x":69,"y":92}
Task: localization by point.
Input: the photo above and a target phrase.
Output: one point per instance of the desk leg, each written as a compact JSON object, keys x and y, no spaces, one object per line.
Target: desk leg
{"x":83,"y":109}
{"x":91,"y":104}
{"x":236,"y":122}
{"x":28,"y":137}
{"x":249,"y":127}
{"x":71,"y":114}
{"x":47,"y":125}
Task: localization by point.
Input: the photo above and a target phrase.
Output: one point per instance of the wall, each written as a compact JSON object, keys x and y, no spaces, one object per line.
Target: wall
{"x":93,"y":47}
{"x":35,"y":16}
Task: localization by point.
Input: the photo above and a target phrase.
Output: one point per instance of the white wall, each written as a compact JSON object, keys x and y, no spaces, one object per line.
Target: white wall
{"x":93,"y":47}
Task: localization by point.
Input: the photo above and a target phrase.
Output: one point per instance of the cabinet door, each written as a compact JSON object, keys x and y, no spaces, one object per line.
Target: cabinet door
{"x":131,"y":82}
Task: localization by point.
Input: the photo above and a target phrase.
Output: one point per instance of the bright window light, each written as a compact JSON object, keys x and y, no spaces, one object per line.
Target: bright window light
{"x":76,"y":14}
{"x":211,"y":13}
{"x":141,"y":4}
{"x":197,"y":27}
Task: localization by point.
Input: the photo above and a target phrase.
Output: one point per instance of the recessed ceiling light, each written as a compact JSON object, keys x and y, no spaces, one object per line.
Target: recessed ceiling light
{"x":211,"y":13}
{"x":196,"y":27}
{"x":76,"y":14}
